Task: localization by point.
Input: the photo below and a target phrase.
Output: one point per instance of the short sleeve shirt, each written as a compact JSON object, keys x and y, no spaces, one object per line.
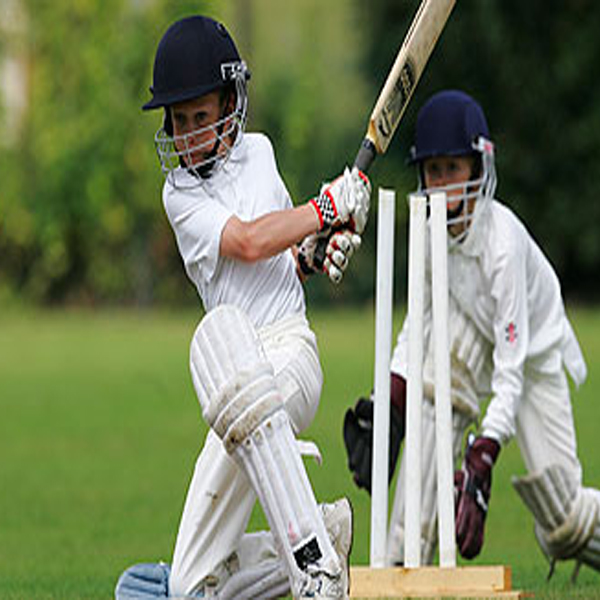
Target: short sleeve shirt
{"x":248,"y":185}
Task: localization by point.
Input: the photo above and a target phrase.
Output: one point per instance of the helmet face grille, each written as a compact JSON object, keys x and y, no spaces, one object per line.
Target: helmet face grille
{"x":202,"y":151}
{"x":467,"y":201}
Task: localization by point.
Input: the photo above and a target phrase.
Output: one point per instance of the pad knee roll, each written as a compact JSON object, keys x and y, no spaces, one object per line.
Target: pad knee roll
{"x":233,"y":380}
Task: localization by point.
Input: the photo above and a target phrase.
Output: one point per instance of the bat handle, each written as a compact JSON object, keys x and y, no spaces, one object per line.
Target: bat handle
{"x":366,"y":155}
{"x":364,"y":158}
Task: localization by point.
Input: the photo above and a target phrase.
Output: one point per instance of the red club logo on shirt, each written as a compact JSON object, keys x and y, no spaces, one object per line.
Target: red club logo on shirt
{"x":511,"y":333}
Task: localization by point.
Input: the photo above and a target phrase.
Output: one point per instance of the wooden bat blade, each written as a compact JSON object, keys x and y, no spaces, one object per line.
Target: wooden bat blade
{"x":410,"y":63}
{"x":400,"y":84}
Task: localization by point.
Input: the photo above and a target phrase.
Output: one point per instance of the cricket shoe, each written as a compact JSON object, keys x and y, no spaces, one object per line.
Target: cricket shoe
{"x":320,"y":584}
{"x":338,"y":520}
{"x":144,"y":581}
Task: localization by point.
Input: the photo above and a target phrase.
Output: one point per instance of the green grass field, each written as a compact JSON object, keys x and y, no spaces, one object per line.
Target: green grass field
{"x":100,"y":428}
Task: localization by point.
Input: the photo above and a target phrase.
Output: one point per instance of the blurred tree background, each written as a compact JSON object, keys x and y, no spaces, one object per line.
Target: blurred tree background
{"x":81,"y":220}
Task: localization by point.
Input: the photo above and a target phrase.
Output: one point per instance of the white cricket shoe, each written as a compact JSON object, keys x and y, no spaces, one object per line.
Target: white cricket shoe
{"x":338,"y":520}
{"x":319,"y":583}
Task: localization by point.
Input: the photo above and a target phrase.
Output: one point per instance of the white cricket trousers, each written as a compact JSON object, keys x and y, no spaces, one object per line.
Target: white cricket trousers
{"x":220,"y":499}
{"x":545,"y":427}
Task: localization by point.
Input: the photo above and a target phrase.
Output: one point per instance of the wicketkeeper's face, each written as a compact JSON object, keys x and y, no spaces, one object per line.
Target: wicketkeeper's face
{"x":449,"y":173}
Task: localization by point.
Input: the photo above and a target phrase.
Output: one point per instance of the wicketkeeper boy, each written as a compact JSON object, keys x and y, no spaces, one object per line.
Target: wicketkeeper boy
{"x":510,"y":342}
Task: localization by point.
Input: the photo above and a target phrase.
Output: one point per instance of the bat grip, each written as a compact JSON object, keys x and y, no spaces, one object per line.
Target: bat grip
{"x":366,"y":155}
{"x":364,"y":158}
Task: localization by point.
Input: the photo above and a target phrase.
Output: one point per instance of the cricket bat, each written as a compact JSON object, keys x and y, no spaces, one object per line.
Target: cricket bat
{"x":399,"y":86}
{"x":397,"y":91}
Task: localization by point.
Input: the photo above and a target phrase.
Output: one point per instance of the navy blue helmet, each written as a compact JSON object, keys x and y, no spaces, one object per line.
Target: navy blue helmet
{"x":195,"y":56}
{"x":449,"y":124}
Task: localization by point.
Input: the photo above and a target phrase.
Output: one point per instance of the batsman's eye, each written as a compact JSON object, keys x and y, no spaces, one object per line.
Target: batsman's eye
{"x":179,"y":121}
{"x":201,"y":118}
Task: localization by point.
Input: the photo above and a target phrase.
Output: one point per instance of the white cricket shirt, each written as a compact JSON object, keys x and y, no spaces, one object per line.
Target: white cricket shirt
{"x":248,"y":185}
{"x":501,"y":279}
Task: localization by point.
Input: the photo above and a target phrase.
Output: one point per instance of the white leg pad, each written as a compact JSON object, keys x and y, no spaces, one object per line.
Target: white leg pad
{"x":240,"y":400}
{"x":471,"y":362}
{"x":232,"y":377}
{"x":566,"y":514}
{"x":271,"y":459}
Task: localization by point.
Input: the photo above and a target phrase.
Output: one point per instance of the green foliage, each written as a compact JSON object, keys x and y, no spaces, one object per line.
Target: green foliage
{"x":529,"y":64}
{"x":81,"y":219}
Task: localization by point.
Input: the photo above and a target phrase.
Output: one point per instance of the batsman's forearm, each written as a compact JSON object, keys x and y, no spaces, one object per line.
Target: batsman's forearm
{"x":270,"y":234}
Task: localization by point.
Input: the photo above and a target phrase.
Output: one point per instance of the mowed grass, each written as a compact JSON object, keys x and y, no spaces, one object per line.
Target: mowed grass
{"x":100,"y":429}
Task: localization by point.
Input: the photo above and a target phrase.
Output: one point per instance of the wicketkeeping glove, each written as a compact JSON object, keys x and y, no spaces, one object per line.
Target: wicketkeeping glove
{"x":358,"y":434}
{"x":472,"y":488}
{"x":345,"y":200}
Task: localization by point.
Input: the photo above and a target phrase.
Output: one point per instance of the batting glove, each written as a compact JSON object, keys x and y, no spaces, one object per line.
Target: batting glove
{"x":345,"y":200}
{"x":340,"y":246}
{"x":306,"y":253}
{"x":472,"y":489}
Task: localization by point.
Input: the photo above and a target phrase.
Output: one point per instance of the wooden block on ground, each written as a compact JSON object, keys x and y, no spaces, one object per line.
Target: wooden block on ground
{"x":432,"y":582}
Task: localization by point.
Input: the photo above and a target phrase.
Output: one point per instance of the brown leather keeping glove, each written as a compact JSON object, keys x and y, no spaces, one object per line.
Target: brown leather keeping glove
{"x":472,"y":488}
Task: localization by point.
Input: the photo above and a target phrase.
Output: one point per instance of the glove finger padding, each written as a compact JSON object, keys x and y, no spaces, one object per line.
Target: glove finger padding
{"x":340,"y":247}
{"x":470,"y":521}
{"x":472,"y":489}
{"x":361,"y":199}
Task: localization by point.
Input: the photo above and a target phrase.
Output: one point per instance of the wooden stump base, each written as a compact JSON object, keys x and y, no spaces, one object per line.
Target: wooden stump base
{"x":433,"y":582}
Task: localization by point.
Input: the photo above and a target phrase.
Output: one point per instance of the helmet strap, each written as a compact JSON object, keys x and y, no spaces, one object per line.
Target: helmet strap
{"x":168,"y":122}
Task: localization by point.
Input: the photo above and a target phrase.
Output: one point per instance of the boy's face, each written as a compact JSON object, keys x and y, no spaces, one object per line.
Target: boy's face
{"x":441,"y":171}
{"x":193,"y":121}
